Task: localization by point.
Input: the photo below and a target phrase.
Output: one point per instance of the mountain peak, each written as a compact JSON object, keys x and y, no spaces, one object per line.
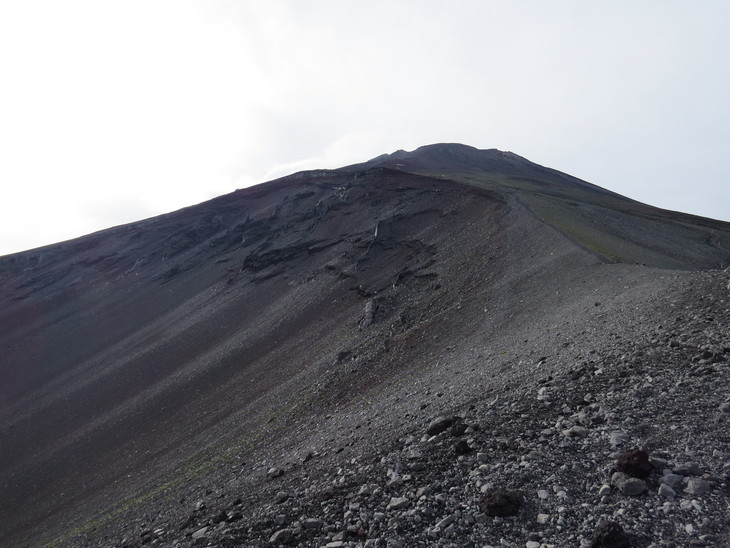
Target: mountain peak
{"x":447,"y":156}
{"x":259,"y":342}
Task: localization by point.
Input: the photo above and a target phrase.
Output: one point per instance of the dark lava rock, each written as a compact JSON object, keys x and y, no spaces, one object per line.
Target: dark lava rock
{"x":283,"y":536}
{"x":438,"y":425}
{"x":234,"y":516}
{"x":609,"y":534}
{"x":462,"y":448}
{"x":274,"y":472}
{"x":458,"y":429}
{"x":500,"y":502}
{"x":635,"y":463}
{"x":220,"y":517}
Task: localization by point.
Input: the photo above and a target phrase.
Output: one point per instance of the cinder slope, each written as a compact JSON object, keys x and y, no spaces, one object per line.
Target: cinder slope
{"x":142,"y":358}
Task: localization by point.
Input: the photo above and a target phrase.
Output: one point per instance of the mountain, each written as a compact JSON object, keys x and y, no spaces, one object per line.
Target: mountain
{"x":229,"y":371}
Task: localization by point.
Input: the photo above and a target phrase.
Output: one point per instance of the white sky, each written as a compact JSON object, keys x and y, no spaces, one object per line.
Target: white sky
{"x":111,"y":112}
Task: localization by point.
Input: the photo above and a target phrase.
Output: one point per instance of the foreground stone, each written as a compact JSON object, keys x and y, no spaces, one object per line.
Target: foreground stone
{"x":635,"y":463}
{"x":609,"y":534}
{"x":282,"y":536}
{"x":438,"y":425}
{"x":627,"y":485}
{"x":500,"y":502}
{"x":697,"y":486}
{"x":398,"y":503}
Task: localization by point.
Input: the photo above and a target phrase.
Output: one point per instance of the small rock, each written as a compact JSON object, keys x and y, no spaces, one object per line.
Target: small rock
{"x":658,"y":462}
{"x":542,"y":519}
{"x":282,"y":536}
{"x":532,"y":544}
{"x":688,"y":469}
{"x":672,"y":480}
{"x":609,"y":534}
{"x":234,"y":516}
{"x":274,"y":472}
{"x":635,"y":463}
{"x":395,"y":481}
{"x":311,"y":523}
{"x":367,"y":489}
{"x":281,"y":497}
{"x":424,"y":491}
{"x":458,"y":429}
{"x":686,"y":505}
{"x":397,"y":503}
{"x":633,"y":487}
{"x":439,"y":424}
{"x":575,"y":432}
{"x":618,"y":438}
{"x":627,"y":485}
{"x":667,"y":492}
{"x":500,"y":502}
{"x":461,"y":447}
{"x":200,"y":533}
{"x":697,"y":486}
{"x":604,"y":491}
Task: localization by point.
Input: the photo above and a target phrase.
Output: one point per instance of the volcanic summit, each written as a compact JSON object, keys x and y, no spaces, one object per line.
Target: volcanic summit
{"x":449,"y":346}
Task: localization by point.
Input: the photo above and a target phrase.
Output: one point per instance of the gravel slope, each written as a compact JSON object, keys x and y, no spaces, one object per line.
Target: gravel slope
{"x":552,"y":431}
{"x":262,"y":369}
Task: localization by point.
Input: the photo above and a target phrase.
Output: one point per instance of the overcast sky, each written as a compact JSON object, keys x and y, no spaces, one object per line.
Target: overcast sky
{"x":111,"y":112}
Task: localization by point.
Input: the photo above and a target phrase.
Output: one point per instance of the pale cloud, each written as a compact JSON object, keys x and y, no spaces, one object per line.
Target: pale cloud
{"x":159,"y":104}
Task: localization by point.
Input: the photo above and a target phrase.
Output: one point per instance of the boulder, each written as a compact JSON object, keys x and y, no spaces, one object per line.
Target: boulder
{"x":609,"y":534}
{"x":635,"y":463}
{"x":500,"y":502}
{"x":439,"y":424}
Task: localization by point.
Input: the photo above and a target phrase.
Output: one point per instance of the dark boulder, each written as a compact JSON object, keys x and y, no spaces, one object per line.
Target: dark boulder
{"x":458,"y":428}
{"x":635,"y":463}
{"x":461,"y":447}
{"x":609,"y":534}
{"x":439,"y":424}
{"x":500,"y":502}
